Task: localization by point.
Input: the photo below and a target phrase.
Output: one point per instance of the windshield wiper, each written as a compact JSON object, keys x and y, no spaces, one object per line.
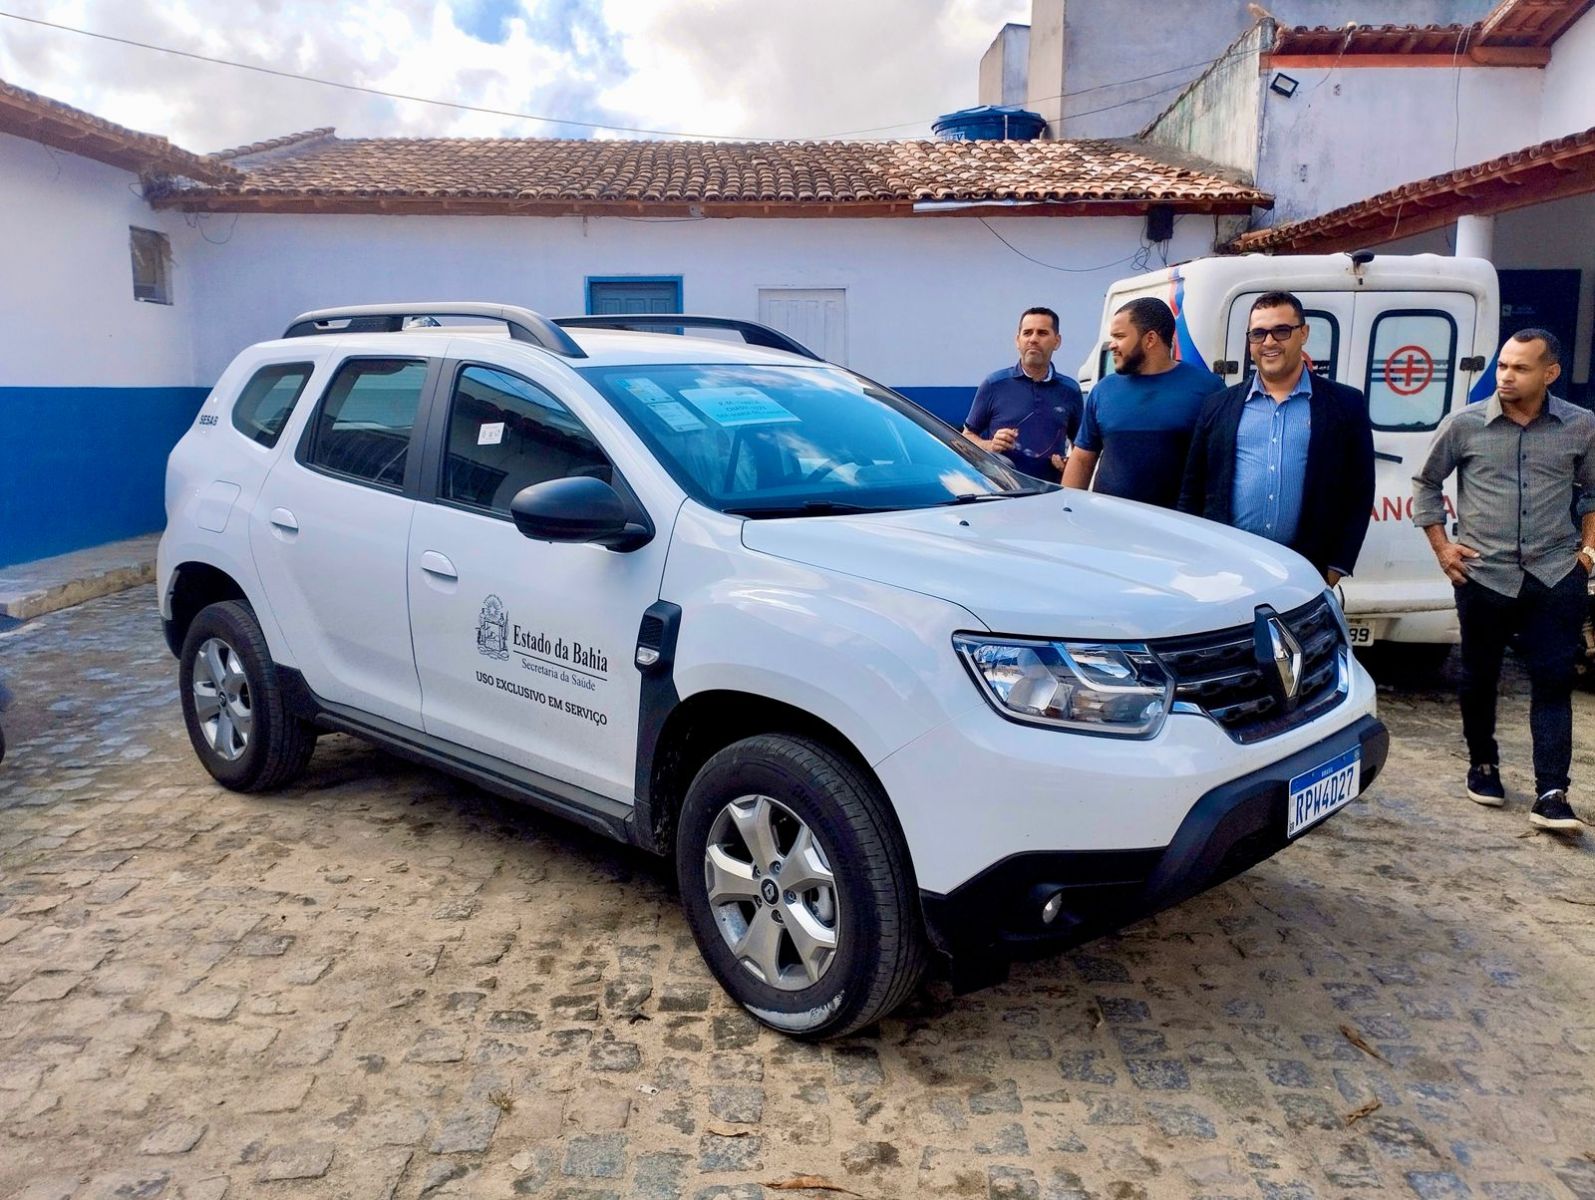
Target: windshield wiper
{"x":806,"y":508}
{"x":978,"y":497}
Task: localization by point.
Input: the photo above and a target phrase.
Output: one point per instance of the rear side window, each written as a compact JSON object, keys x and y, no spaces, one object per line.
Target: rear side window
{"x":363,"y":429}
{"x":1410,"y":359}
{"x":505,"y":434}
{"x":268,"y":400}
{"x":1323,"y":341}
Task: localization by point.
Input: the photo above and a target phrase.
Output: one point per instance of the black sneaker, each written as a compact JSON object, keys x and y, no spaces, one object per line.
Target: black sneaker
{"x":1484,"y":785}
{"x":1552,"y":811}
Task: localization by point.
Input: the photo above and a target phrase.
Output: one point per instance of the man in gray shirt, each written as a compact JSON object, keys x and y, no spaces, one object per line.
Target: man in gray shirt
{"x":1519,"y":564}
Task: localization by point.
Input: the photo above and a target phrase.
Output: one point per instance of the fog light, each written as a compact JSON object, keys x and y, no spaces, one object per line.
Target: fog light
{"x":1051,"y":909}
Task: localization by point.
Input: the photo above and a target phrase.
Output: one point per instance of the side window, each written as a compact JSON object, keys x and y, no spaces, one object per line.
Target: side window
{"x":268,"y":400}
{"x":364,"y":426}
{"x":152,"y":265}
{"x":1410,"y":358}
{"x":506,"y":434}
{"x":1323,"y":341}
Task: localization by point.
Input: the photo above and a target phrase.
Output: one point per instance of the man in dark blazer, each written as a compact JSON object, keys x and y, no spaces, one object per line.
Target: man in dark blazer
{"x":1285,"y":455}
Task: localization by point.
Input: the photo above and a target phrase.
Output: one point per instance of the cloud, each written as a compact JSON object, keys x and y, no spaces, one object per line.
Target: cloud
{"x":747,"y":68}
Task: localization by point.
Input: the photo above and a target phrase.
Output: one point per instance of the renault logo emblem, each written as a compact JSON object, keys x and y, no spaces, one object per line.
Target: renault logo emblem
{"x":1278,"y":647}
{"x":1287,"y":656}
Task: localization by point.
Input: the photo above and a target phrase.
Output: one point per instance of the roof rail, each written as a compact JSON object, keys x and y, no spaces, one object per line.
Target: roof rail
{"x":524,"y":324}
{"x":752,"y":332}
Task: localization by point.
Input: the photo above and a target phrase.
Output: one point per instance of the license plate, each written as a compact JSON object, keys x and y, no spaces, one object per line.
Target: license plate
{"x":1315,"y":794}
{"x":1360,"y":632}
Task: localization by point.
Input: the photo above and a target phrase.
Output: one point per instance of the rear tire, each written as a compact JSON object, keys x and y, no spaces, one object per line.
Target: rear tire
{"x":843,"y":945}
{"x":233,"y":703}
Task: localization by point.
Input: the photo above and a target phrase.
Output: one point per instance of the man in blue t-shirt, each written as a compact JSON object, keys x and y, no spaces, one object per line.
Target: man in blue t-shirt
{"x":1138,"y":421}
{"x":1028,"y":413}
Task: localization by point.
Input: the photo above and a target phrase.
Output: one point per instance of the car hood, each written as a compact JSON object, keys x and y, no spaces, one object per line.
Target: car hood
{"x":1060,"y":564}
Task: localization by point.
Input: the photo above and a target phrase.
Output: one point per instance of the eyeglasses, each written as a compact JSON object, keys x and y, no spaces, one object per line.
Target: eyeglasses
{"x":1278,"y":332}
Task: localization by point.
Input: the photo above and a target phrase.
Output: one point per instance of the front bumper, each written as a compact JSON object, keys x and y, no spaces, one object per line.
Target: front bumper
{"x":994,"y":918}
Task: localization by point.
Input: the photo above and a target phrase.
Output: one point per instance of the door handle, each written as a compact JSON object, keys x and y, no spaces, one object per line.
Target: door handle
{"x":284,"y":520}
{"x":434,"y":563}
{"x":1383,"y":457}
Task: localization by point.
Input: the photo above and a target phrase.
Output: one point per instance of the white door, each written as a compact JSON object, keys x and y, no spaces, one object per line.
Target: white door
{"x":1407,"y":347}
{"x":525,"y":648}
{"x":817,"y":317}
{"x":330,"y":533}
{"x":1329,"y":320}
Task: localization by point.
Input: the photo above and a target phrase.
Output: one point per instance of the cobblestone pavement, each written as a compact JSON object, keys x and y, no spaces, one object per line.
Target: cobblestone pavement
{"x":381,"y":983}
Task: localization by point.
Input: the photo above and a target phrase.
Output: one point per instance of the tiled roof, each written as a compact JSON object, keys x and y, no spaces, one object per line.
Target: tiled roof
{"x":1561,"y":167}
{"x":1513,"y":25}
{"x":29,"y":115}
{"x":1530,"y":22}
{"x":319,"y":172}
{"x":275,"y":144}
{"x":1373,"y":39}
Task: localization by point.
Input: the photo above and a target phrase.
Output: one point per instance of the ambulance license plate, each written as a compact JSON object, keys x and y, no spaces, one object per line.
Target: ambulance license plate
{"x":1315,"y":794}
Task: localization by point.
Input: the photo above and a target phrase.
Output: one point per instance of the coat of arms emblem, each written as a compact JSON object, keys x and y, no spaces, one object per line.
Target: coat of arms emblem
{"x":492,"y":629}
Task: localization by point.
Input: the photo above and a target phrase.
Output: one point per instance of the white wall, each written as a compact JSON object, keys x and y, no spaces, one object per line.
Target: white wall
{"x":1005,"y":67}
{"x":932,"y":301}
{"x":1044,"y":70}
{"x":1118,"y":49}
{"x":1217,"y":119}
{"x":67,"y":297}
{"x":1348,"y":134}
{"x":1569,"y":105}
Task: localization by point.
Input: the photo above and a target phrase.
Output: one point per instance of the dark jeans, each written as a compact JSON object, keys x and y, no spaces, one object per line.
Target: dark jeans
{"x":1549,"y":622}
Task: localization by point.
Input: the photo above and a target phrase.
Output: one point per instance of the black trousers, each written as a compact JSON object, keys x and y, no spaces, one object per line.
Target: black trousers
{"x":1549,"y":622}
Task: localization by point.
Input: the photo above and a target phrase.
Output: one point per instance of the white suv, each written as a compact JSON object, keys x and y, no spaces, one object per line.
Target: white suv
{"x":884,"y":700}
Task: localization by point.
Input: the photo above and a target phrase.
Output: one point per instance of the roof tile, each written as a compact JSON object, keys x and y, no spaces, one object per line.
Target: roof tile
{"x":547,"y":171}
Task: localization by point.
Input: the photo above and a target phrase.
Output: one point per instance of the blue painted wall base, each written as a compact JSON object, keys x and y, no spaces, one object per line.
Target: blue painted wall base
{"x":84,"y":466}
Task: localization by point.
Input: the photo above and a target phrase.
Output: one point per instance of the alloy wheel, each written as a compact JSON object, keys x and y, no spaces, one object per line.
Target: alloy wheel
{"x":772,"y":892}
{"x":221,"y":699}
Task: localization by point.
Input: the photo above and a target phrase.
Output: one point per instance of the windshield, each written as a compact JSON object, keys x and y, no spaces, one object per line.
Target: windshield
{"x":779,"y":440}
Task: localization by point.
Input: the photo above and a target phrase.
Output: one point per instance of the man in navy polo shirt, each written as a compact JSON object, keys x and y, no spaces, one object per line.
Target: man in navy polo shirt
{"x":1137,"y":426}
{"x":1028,"y":413}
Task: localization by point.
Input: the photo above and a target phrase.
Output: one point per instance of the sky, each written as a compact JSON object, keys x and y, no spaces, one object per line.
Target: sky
{"x":737,"y":68}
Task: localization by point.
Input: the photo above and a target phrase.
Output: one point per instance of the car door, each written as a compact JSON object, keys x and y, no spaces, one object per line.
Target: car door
{"x":524,"y":648}
{"x":330,"y":533}
{"x":1408,"y":348}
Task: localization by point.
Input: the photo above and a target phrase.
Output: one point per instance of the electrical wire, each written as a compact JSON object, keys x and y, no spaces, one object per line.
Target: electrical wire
{"x":370,"y":91}
{"x":599,"y":125}
{"x":1083,"y":91}
{"x":1051,"y":266}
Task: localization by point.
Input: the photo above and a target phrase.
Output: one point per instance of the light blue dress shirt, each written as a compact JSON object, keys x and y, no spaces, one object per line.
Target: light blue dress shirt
{"x":1271,"y":459}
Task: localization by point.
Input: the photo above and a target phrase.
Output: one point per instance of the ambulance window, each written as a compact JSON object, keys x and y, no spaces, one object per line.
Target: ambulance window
{"x":1410,"y":359}
{"x":1323,"y":341}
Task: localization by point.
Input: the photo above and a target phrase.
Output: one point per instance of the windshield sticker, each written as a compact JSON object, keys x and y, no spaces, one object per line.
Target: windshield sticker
{"x":647,"y":391}
{"x":490,"y":434}
{"x":678,"y":416}
{"x":732,"y":406}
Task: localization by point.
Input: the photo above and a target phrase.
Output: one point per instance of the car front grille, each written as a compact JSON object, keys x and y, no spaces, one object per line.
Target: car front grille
{"x":1219,"y":674}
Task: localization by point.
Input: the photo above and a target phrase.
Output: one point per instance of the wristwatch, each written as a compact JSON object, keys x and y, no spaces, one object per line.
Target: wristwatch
{"x":1587,"y":553}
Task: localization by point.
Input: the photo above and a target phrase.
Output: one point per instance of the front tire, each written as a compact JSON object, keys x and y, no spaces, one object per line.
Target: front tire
{"x":798,"y":888}
{"x":233,"y":703}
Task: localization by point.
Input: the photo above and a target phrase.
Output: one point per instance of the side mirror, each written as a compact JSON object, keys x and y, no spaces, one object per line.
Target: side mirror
{"x":579,"y":509}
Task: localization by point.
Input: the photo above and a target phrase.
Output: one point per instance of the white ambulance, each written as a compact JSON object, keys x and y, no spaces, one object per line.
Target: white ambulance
{"x":1416,"y":333}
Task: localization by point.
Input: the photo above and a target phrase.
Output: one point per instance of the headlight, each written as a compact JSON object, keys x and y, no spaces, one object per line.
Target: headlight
{"x":1093,"y":687}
